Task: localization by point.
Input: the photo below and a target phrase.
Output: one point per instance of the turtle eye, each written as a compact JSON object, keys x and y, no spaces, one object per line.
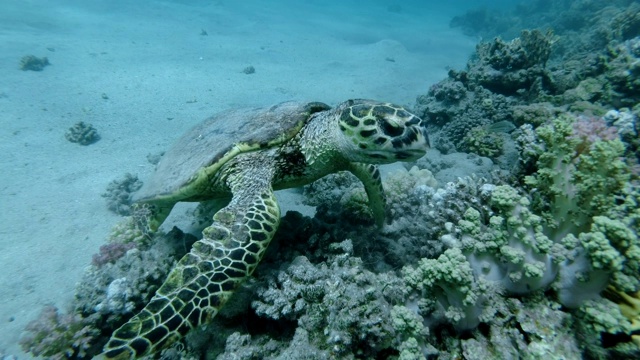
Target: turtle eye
{"x":391,"y":129}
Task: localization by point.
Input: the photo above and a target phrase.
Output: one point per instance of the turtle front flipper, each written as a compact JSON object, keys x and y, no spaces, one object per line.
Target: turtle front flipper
{"x":149,"y":216}
{"x":369,"y":175}
{"x":205,"y":278}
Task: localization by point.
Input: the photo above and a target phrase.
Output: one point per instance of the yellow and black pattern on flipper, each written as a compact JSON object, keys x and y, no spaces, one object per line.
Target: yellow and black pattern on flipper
{"x":204,"y":279}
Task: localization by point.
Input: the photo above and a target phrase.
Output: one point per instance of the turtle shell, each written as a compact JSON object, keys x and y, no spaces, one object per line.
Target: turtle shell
{"x":183,"y":170}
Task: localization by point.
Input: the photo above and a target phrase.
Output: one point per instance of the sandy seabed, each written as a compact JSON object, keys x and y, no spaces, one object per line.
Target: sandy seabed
{"x":143,"y":73}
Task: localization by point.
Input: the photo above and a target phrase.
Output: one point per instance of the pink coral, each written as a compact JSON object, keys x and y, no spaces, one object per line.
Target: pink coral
{"x":590,"y":129}
{"x":58,"y":336}
{"x":111,"y":252}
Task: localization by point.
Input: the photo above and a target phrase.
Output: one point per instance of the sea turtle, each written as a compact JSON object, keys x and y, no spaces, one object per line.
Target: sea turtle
{"x":240,"y":157}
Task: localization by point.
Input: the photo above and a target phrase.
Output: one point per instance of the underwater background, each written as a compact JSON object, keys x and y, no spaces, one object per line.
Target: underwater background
{"x":515,"y":237}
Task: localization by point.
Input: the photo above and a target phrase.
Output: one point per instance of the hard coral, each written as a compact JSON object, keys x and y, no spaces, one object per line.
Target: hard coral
{"x":109,"y":253}
{"x":118,"y":194}
{"x":338,"y":299}
{"x":82,"y":133}
{"x":530,"y":49}
{"x":483,"y":142}
{"x":621,"y":65}
{"x":513,"y":67}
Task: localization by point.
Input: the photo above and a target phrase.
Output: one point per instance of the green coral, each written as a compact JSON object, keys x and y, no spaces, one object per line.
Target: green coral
{"x":589,"y":89}
{"x":410,"y":350}
{"x":576,"y":178}
{"x":480,"y":140}
{"x":407,"y":322}
{"x":448,"y":282}
{"x":534,"y":114}
{"x":509,"y":244}
{"x":598,"y":317}
{"x":580,"y":181}
{"x":597,"y":243}
{"x":621,"y":254}
{"x":126,"y":232}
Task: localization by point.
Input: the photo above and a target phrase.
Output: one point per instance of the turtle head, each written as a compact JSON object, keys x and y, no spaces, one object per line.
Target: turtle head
{"x":378,"y":132}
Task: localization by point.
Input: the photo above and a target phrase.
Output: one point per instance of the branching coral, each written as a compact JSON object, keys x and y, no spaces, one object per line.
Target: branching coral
{"x":346,"y":306}
{"x":124,"y":237}
{"x":109,"y":253}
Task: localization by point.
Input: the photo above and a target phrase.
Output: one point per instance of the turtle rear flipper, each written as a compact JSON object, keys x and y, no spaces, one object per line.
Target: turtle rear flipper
{"x":205,"y":278}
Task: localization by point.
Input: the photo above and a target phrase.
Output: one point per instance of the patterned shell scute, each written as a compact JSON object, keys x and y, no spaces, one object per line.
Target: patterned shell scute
{"x":219,"y":137}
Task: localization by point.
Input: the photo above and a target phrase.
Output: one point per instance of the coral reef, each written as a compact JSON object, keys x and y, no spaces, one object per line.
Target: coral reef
{"x":594,"y":63}
{"x":59,"y":336}
{"x":119,"y":283}
{"x":82,"y":133}
{"x":345,"y":303}
{"x":514,"y":67}
{"x":581,"y":26}
{"x":33,"y":63}
{"x":483,"y":142}
{"x":537,"y":75}
{"x":621,"y":65}
{"x":109,"y":253}
{"x":575,"y":230}
{"x":529,"y":328}
{"x":536,"y":256}
{"x":135,"y":273}
{"x":449,"y":290}
{"x":118,"y":194}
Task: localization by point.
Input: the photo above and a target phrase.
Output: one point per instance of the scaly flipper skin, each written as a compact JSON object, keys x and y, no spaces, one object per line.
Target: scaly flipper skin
{"x":204,"y":279}
{"x":369,"y":175}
